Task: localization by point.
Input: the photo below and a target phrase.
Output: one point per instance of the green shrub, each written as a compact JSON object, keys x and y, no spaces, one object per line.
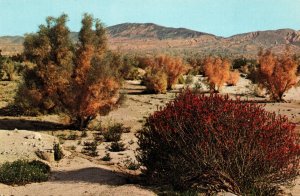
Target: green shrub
{"x":90,"y":149}
{"x":116,"y":147}
{"x":131,"y":165}
{"x":113,"y":132}
{"x":58,"y":153}
{"x":8,"y":69}
{"x":23,"y":172}
{"x":72,"y":136}
{"x":213,"y":143}
{"x":106,"y":157}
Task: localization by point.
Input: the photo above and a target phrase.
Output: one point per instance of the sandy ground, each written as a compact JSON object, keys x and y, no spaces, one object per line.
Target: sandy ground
{"x":78,"y":174}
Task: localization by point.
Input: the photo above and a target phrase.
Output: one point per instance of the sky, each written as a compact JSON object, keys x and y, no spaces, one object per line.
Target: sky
{"x":219,"y":17}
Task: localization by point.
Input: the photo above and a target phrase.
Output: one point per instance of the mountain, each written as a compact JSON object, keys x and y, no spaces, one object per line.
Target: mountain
{"x":152,"y":38}
{"x":150,"y":30}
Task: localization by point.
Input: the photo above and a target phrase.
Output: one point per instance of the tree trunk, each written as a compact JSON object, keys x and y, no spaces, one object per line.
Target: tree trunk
{"x":81,"y":122}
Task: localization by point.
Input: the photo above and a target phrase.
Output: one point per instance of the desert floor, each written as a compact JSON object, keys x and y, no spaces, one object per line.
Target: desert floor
{"x":78,"y":174}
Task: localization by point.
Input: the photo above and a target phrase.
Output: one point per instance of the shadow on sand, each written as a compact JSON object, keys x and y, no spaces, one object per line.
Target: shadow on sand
{"x":31,"y":125}
{"x":91,"y":175}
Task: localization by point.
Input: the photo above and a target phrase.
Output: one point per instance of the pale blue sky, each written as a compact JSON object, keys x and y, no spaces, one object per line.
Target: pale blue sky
{"x":219,"y":17}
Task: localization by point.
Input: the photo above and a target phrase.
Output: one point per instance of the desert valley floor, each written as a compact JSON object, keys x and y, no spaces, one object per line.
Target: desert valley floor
{"x":78,"y":174}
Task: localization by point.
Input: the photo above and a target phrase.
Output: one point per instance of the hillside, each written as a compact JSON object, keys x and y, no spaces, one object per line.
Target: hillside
{"x":152,"y":38}
{"x":150,"y":30}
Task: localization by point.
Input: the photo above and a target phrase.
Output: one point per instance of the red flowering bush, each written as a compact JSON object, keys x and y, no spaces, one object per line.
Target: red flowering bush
{"x":213,"y":143}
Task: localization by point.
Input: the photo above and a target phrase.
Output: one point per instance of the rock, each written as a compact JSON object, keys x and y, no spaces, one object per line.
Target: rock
{"x":45,"y":155}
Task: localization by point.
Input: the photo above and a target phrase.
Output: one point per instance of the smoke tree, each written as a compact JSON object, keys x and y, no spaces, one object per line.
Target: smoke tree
{"x":78,"y":79}
{"x":217,"y":71}
{"x":277,"y":73}
{"x":162,"y":72}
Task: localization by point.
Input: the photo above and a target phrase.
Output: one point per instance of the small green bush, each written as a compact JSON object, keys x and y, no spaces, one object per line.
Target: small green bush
{"x":131,"y":164}
{"x":116,"y":147}
{"x":114,"y":132}
{"x":58,"y":153}
{"x":23,"y":172}
{"x":90,"y":149}
{"x":106,"y":157}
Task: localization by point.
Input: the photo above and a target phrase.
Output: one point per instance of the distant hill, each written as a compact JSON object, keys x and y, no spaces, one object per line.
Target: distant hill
{"x":152,"y":38}
{"x":150,"y":30}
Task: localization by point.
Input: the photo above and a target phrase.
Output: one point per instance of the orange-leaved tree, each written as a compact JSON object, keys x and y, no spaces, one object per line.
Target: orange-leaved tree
{"x":277,"y":73}
{"x":168,"y":68}
{"x":217,"y":71}
{"x":80,"y":79}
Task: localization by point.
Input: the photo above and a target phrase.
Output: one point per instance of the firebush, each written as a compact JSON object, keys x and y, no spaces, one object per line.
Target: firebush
{"x":213,"y":143}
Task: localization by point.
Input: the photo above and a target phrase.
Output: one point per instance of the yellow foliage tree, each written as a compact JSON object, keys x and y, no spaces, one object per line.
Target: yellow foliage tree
{"x":217,"y":71}
{"x":81,"y":80}
{"x":167,"y":67}
{"x":277,"y":73}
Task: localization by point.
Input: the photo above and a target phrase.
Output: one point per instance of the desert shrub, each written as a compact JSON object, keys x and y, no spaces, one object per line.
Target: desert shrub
{"x":8,"y":69}
{"x":129,"y":68}
{"x":116,"y":147}
{"x":239,"y":63}
{"x":72,"y":136}
{"x":162,"y":72}
{"x":90,"y":149}
{"x":233,"y":79}
{"x":156,"y":81}
{"x":217,"y":71}
{"x":81,"y":80}
{"x":131,"y":164}
{"x":196,"y":63}
{"x":189,"y":79}
{"x":106,"y":157}
{"x":213,"y":143}
{"x":23,"y":172}
{"x":277,"y":73}
{"x":58,"y":152}
{"x":113,"y":132}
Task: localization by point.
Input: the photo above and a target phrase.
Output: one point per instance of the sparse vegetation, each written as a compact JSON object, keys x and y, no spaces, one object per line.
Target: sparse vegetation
{"x":106,"y":157}
{"x":113,"y":132}
{"x":212,"y":143}
{"x":131,"y":165}
{"x":116,"y":147}
{"x":90,"y":149}
{"x":22,"y":172}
